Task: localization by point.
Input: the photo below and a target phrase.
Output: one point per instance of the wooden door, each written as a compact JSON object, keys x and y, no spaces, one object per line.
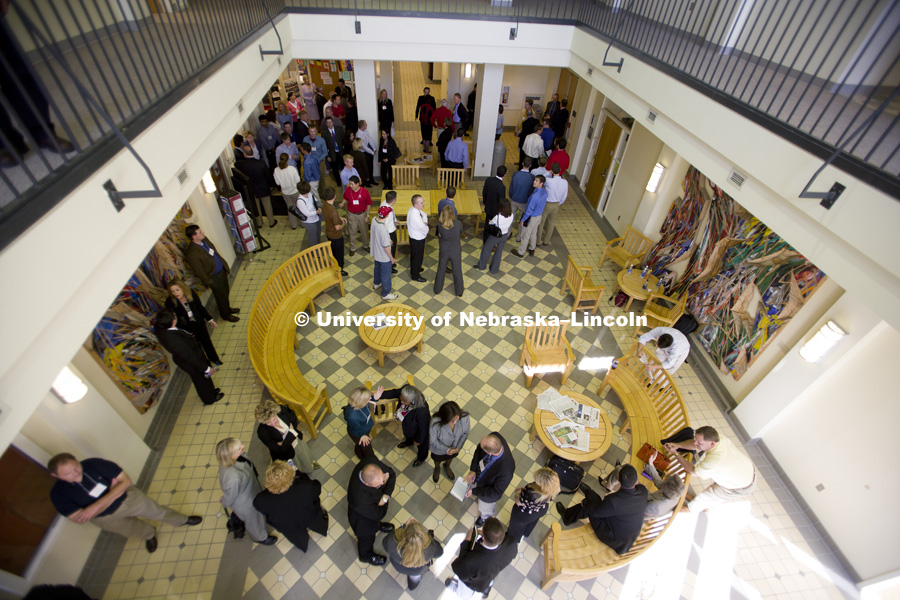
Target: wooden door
{"x":568,"y":81}
{"x":606,"y":149}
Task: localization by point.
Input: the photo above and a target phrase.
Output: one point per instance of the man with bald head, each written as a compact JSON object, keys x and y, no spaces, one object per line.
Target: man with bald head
{"x":371,"y":485}
{"x":490,"y":474}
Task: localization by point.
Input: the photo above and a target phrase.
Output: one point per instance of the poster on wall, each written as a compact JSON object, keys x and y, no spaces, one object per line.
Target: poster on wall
{"x":504,"y":97}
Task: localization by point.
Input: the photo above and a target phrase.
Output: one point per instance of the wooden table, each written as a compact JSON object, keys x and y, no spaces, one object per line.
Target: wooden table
{"x":427,"y":160}
{"x":467,"y":204}
{"x":632,"y":285}
{"x":601,"y":438}
{"x":392,"y":339}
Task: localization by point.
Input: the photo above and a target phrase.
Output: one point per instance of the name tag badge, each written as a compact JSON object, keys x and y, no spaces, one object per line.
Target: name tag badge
{"x":212,"y":252}
{"x":295,"y":442}
{"x":383,"y":107}
{"x":98,"y":490}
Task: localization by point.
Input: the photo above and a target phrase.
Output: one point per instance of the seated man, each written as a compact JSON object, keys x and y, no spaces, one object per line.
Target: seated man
{"x":616,"y":519}
{"x":477,"y":566}
{"x":731,"y":470}
{"x":672,"y":348}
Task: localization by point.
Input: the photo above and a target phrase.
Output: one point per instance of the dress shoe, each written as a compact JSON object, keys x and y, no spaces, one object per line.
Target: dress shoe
{"x":269,"y":541}
{"x":584,"y":488}
{"x":448,"y":581}
{"x":219,"y":396}
{"x":544,"y":244}
{"x":219,"y":363}
{"x":376,"y":559}
{"x":151,"y":544}
{"x":231,"y":319}
{"x":420,"y":280}
{"x":352,"y":252}
{"x":417,"y":463}
{"x":273,"y":224}
{"x":235,"y":311}
{"x":344,"y":273}
{"x":560,"y":509}
{"x":479,"y":522}
{"x":448,"y":472}
{"x":55,"y":144}
{"x":404,"y":444}
{"x":393,"y":270}
{"x":410,"y":584}
{"x":531,"y":252}
{"x":516,"y":253}
{"x":385,"y":527}
{"x":437,"y":473}
{"x":195,"y":519}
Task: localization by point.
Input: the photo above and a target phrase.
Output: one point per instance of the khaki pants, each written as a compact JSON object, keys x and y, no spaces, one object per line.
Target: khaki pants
{"x":357,"y":223}
{"x":548,"y":222}
{"x":529,"y":234}
{"x":314,"y":186}
{"x":136,"y":504}
{"x":716,"y":494}
{"x":267,"y":205}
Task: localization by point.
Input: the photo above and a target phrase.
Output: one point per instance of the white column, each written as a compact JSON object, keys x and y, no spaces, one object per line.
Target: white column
{"x":364,"y":73}
{"x":490,"y":86}
{"x":579,"y":143}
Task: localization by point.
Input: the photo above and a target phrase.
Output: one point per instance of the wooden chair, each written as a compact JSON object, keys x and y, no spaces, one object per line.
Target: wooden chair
{"x":546,"y":350}
{"x":406,"y":177}
{"x":384,"y":410}
{"x":662,"y":311}
{"x":626,"y":250}
{"x":454,"y":177}
{"x":578,"y":279}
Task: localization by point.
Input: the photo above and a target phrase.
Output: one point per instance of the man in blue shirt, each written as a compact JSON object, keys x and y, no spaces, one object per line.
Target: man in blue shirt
{"x":348,"y":171}
{"x":268,"y":136}
{"x":311,"y":172}
{"x":533,"y":212}
{"x":547,"y":135}
{"x":317,"y":144}
{"x":287,"y":147}
{"x":448,"y":201}
{"x":519,"y":190}
{"x":457,"y":152}
{"x":99,"y":491}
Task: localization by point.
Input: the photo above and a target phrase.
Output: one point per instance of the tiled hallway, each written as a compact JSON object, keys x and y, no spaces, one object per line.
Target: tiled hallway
{"x":764,"y":547}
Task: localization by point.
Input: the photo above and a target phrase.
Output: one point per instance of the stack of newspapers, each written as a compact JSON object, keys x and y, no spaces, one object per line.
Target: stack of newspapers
{"x":574,"y":418}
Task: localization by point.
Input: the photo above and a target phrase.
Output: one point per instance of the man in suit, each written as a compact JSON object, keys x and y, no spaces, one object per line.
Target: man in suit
{"x":301,"y":127}
{"x":616,"y":519}
{"x":333,"y":135}
{"x":552,"y":107}
{"x":188,"y":355}
{"x":210,"y":269}
{"x":371,"y":485}
{"x":478,"y":565}
{"x":528,"y":126}
{"x":493,"y":192}
{"x":470,"y":107}
{"x":490,"y":474}
{"x":320,"y":102}
{"x":258,"y":174}
{"x":561,"y":119}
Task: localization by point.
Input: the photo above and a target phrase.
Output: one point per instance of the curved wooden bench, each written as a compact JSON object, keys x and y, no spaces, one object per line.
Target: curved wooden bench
{"x":655,"y":410}
{"x":272,"y":331}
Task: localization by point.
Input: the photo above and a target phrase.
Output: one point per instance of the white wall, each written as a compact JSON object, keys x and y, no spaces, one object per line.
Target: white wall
{"x":655,"y":206}
{"x":638,"y":161}
{"x":522,"y":81}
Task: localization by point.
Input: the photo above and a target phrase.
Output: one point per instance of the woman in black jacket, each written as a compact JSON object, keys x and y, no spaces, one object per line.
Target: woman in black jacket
{"x":388,"y":153}
{"x":531,"y":503}
{"x":415,"y":419}
{"x":192,"y":316}
{"x":385,"y":112}
{"x":291,"y":504}
{"x":279,"y":430}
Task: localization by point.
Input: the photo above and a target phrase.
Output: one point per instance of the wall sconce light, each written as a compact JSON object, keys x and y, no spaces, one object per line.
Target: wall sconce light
{"x":657,"y":174}
{"x":824,"y":340}
{"x":468,"y":70}
{"x":68,"y":387}
{"x":209,"y":186}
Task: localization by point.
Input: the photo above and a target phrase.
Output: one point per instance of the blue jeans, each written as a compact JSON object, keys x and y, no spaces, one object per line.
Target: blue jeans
{"x":383,"y":277}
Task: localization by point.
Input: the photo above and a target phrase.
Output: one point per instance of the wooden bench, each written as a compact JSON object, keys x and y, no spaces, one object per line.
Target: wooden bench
{"x":272,"y":331}
{"x":654,"y":412}
{"x":626,"y":250}
{"x":578,"y":280}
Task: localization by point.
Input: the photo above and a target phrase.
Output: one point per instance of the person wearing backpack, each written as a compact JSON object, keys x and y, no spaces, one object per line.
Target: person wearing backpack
{"x":425,"y":108}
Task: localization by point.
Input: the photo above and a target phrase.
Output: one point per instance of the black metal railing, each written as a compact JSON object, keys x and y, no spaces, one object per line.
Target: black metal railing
{"x":824,"y":74}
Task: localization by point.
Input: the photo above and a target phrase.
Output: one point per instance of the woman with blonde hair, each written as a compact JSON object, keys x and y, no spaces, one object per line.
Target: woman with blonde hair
{"x":412,"y":548}
{"x":239,"y":482}
{"x":192,"y":316}
{"x":358,"y":414}
{"x":450,"y":250}
{"x":279,"y":430}
{"x":531,"y":503}
{"x":291,"y":504}
{"x":283,"y":116}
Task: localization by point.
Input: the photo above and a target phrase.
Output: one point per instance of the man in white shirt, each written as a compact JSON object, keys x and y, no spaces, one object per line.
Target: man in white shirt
{"x":417,"y":226}
{"x":557,"y":190}
{"x":731,"y":470}
{"x":534,"y":144}
{"x":672,"y":348}
{"x":390,"y":223}
{"x":368,"y":146}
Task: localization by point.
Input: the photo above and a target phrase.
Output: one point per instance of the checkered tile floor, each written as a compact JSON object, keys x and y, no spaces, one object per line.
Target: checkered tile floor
{"x":761,"y":548}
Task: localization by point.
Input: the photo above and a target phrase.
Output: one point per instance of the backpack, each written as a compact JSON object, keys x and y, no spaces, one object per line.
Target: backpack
{"x":426,"y":112}
{"x":686,"y":324}
{"x":621,"y":299}
{"x":570,"y":474}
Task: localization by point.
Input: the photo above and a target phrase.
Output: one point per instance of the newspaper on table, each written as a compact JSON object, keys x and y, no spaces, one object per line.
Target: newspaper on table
{"x":567,"y":409}
{"x":380,"y":323}
{"x":567,"y":434}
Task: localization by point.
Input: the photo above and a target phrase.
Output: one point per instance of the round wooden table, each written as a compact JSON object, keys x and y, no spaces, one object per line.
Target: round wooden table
{"x":425,"y":160}
{"x":632,"y":285}
{"x":600,"y":438}
{"x":395,"y":338}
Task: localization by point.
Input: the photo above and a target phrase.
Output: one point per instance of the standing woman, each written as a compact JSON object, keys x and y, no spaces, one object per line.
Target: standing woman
{"x":192,"y":316}
{"x":291,"y":504}
{"x":306,"y":204}
{"x":450,"y":250}
{"x":278,"y":429}
{"x":503,"y":221}
{"x":414,"y":416}
{"x":294,"y":105}
{"x":531,"y":502}
{"x":287,"y":177}
{"x":388,"y":153}
{"x":499,"y":131}
{"x":284,"y":115}
{"x":385,"y":112}
{"x":359,"y":159}
{"x":358,"y":414}
{"x":412,"y":548}
{"x":449,"y":431}
{"x":308,"y":94}
{"x":239,"y":482}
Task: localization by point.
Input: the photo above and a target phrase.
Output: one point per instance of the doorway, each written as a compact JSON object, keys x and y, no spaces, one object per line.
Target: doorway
{"x":603,"y":159}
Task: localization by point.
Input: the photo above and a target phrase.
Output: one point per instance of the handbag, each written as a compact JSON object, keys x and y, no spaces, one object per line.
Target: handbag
{"x":661,"y":463}
{"x":296,"y":212}
{"x":570,"y":474}
{"x":234,"y":524}
{"x":494,"y":230}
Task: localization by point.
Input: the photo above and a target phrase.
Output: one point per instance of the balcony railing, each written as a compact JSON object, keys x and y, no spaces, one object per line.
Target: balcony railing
{"x":824,"y":74}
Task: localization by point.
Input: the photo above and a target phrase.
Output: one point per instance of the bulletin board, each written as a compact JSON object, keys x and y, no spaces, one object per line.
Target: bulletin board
{"x":327,"y":72}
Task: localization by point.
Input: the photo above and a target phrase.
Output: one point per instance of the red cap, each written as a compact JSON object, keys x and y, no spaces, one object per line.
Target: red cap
{"x":384,"y":211}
